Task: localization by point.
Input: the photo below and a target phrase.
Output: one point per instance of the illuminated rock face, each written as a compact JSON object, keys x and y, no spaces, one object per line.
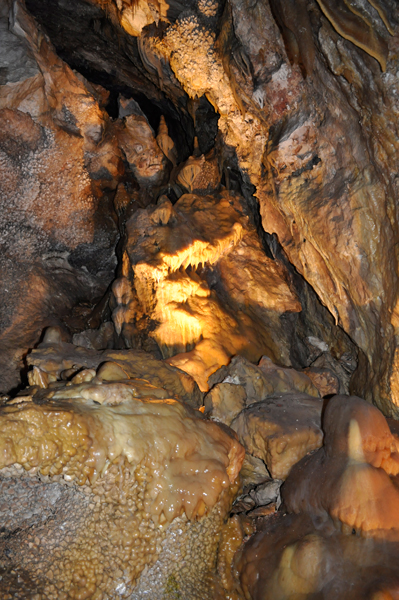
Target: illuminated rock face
{"x":118,"y":488}
{"x":323,"y":189}
{"x":197,"y":269}
{"x":314,"y":142}
{"x":120,"y":494}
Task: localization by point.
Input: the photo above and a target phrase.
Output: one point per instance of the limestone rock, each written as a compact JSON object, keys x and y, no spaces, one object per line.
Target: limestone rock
{"x":253,"y":471}
{"x":181,"y":261}
{"x":54,"y":358}
{"x":286,"y":380}
{"x":137,"y":140}
{"x":324,"y":380}
{"x":263,"y":380}
{"x":224,"y":402}
{"x":123,"y":516}
{"x":58,"y":240}
{"x":281,"y":430}
{"x":165,"y":142}
{"x":315,"y":146}
{"x":344,"y":533}
{"x":267,"y":492}
{"x":359,"y":453}
{"x":199,"y":175}
{"x":339,"y":368}
{"x":290,"y":557}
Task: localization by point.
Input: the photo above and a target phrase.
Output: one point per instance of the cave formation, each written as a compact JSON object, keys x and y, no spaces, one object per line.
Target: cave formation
{"x":199,"y":355}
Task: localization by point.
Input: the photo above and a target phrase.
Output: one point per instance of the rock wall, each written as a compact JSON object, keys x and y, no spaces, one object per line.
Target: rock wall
{"x":202,"y":197}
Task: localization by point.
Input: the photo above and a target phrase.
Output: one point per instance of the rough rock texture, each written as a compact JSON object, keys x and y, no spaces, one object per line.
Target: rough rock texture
{"x":58,"y":360}
{"x":120,"y":493}
{"x":315,"y":143}
{"x":246,"y":154}
{"x":56,"y":232}
{"x":266,"y":379}
{"x":281,"y":430}
{"x":328,"y":191}
{"x":341,"y":538}
{"x":190,"y":269}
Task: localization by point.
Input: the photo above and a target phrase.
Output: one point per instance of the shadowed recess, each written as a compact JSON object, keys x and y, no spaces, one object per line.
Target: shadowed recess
{"x":346,"y":18}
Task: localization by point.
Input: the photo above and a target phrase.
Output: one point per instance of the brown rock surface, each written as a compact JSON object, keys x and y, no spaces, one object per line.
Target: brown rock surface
{"x":225,"y":401}
{"x":289,"y":558}
{"x":327,"y":193}
{"x":342,"y":540}
{"x":281,"y":430}
{"x":348,"y":479}
{"x":263,"y":380}
{"x":57,"y":359}
{"x":56,"y":236}
{"x":318,"y":159}
{"x":181,"y":262}
{"x":137,"y":140}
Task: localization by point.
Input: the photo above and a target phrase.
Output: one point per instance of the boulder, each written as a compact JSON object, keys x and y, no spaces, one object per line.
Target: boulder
{"x":281,"y":430}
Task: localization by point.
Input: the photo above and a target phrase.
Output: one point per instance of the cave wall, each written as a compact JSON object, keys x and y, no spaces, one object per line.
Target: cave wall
{"x":305,"y":108}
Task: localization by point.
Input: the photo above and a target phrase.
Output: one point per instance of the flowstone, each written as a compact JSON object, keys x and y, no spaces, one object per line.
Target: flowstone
{"x":107,"y":491}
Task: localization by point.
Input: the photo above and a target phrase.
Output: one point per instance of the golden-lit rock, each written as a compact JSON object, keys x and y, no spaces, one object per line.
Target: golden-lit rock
{"x":173,"y":254}
{"x":199,"y":175}
{"x":263,"y":380}
{"x":324,"y":380}
{"x":342,"y":540}
{"x":137,"y":482}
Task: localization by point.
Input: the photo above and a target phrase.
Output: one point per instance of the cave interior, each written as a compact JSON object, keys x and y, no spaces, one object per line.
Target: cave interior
{"x":199,"y":291}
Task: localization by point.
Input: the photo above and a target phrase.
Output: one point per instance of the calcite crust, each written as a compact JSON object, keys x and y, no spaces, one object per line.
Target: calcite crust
{"x":142,"y":486}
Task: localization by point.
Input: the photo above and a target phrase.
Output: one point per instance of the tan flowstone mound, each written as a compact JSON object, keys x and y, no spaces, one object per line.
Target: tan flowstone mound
{"x":114,"y":493}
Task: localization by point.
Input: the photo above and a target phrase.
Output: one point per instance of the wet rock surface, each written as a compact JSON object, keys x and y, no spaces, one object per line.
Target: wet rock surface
{"x":114,"y":491}
{"x":200,"y":199}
